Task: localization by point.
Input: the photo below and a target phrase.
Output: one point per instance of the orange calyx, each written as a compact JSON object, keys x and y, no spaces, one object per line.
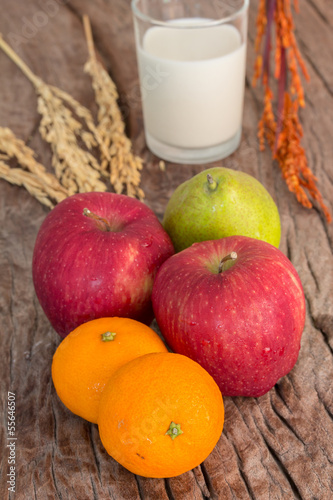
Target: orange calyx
{"x":174,"y":430}
{"x":108,"y":336}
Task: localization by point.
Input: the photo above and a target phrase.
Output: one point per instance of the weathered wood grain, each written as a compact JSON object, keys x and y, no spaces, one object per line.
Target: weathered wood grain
{"x":275,"y":447}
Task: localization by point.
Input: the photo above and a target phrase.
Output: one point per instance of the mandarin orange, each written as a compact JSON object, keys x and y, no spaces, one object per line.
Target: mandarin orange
{"x":90,"y":354}
{"x":160,"y":415}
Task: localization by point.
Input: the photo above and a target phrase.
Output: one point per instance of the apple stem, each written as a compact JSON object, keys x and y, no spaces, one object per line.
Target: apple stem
{"x":90,"y":214}
{"x":230,"y":256}
{"x":212,"y":184}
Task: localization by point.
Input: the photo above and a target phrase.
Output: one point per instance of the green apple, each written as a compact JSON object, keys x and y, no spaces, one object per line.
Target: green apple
{"x":220,"y":202}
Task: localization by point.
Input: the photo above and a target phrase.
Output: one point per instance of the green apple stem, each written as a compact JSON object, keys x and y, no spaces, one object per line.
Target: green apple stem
{"x":230,"y":256}
{"x":212,"y":184}
{"x":104,"y":222}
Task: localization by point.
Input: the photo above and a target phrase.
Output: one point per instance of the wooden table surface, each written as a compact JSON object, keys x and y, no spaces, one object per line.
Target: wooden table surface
{"x":279,"y":446}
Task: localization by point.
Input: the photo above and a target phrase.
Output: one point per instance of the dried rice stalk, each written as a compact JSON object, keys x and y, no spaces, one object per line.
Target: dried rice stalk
{"x":76,"y":168}
{"x":123,"y":167}
{"x":33,"y":176}
{"x":32,"y":184}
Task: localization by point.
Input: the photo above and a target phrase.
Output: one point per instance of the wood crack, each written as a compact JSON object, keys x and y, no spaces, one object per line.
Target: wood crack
{"x":289,"y":246}
{"x":316,"y":324}
{"x":327,"y":409}
{"x":212,"y":492}
{"x":54,"y":444}
{"x":54,"y":427}
{"x":111,"y":494}
{"x":318,"y":138}
{"x":267,"y":423}
{"x":34,"y":487}
{"x":245,"y":480}
{"x":330,"y":415}
{"x":276,"y":457}
{"x":315,"y":68}
{"x":318,"y":11}
{"x":287,"y":424}
{"x":310,"y":267}
{"x":55,"y":482}
{"x":95,"y":497}
{"x":93,"y":448}
{"x":140,"y":490}
{"x":325,"y":337}
{"x":278,"y":392}
{"x":284,"y":470}
{"x":168,"y":489}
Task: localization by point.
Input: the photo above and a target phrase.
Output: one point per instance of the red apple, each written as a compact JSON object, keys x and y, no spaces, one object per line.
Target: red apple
{"x":96,"y":255}
{"x":242,"y":320}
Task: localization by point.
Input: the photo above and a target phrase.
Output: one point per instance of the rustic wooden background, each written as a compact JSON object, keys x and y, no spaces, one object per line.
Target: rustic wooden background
{"x":278,"y":446}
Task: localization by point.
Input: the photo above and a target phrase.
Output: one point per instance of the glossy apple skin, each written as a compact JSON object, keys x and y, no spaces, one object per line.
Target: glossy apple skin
{"x":82,"y":271}
{"x":243,"y":325}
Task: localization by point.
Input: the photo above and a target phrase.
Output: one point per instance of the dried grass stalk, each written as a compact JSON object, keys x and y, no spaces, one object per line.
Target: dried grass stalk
{"x":75,"y":167}
{"x":121,"y":164}
{"x":33,"y":176}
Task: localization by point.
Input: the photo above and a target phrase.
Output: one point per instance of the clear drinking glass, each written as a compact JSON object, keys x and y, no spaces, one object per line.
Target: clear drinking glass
{"x":191,"y":59}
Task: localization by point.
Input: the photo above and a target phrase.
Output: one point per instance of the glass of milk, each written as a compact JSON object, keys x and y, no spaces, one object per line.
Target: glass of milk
{"x":191,"y":59}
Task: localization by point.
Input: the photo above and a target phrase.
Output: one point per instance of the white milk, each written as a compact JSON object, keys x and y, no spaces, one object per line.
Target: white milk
{"x":192,"y":84}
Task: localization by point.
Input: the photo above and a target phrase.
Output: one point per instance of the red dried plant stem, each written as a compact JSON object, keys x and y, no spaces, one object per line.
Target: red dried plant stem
{"x":284,"y":133}
{"x":282,"y":84}
{"x":268,"y":42}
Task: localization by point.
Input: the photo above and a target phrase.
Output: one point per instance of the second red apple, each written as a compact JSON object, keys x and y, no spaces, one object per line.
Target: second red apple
{"x":236,"y":306}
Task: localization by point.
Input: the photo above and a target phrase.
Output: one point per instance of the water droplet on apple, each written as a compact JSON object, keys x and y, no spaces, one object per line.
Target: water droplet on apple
{"x":95,"y":281}
{"x":281,"y":352}
{"x":192,"y":323}
{"x":147,"y":243}
{"x":266,"y":350}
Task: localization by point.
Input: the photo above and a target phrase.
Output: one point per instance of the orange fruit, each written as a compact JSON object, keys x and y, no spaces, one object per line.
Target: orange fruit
{"x":88,"y":356}
{"x":160,"y":415}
